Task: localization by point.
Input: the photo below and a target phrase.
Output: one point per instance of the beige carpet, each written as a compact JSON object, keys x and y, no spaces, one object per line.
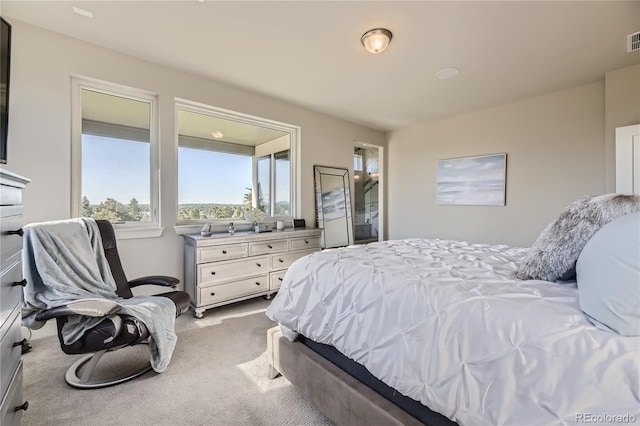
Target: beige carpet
{"x":217,"y":376}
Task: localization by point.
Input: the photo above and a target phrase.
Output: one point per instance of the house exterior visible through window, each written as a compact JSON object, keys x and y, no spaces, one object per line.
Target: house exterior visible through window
{"x":228,"y":166}
{"x":115,"y":152}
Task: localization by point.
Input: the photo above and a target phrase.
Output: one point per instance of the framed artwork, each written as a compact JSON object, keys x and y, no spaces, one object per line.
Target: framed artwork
{"x":475,"y":181}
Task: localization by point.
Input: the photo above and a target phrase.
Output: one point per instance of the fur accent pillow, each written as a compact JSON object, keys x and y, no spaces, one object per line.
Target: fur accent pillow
{"x":554,"y":254}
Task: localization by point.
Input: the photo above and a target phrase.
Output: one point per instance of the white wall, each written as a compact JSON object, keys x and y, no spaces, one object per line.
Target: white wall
{"x":40,"y":131}
{"x":555,"y":155}
{"x":622,"y":108}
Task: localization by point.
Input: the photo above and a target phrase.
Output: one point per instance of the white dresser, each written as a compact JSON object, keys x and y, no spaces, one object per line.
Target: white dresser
{"x":222,"y":268}
{"x":12,"y":404}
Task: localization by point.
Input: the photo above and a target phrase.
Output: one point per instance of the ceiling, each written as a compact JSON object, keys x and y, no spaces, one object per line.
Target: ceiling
{"x":309,"y":52}
{"x":204,"y":126}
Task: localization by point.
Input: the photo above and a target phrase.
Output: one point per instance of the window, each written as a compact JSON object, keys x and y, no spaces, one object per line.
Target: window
{"x":212,"y":184}
{"x":114,"y":154}
{"x":264,"y":185}
{"x":357,"y":162}
{"x":229,"y":163}
{"x":282,"y":195}
{"x":274,"y":195}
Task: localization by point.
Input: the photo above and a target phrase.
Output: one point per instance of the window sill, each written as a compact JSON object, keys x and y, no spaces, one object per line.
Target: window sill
{"x":222,"y":225}
{"x":215,"y":227}
{"x":132,"y":233}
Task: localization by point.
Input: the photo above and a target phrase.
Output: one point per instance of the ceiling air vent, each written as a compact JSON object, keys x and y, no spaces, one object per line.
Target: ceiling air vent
{"x":633,"y":42}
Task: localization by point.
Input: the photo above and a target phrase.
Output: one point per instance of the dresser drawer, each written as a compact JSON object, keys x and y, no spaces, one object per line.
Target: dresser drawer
{"x":304,"y":243}
{"x":233,"y":290}
{"x":284,"y":260}
{"x":265,"y":247}
{"x":222,"y":252}
{"x":10,"y":245}
{"x":9,"y":353}
{"x":10,"y":293}
{"x":275,"y":279}
{"x":10,"y":195}
{"x":9,"y":416}
{"x":213,"y":273}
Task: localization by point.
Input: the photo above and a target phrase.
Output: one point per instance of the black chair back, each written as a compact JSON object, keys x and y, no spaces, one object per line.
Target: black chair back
{"x":111,"y":252}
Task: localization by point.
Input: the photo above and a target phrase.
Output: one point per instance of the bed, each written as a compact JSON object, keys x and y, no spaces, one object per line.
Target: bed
{"x":447,"y":324}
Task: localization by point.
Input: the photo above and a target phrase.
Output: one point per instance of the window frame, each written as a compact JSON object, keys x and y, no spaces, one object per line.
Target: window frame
{"x":182,"y":226}
{"x":256,"y":180}
{"x":129,"y":229}
{"x":273,"y":182}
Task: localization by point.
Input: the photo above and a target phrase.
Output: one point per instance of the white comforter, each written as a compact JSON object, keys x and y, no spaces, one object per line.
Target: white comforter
{"x":447,"y":324}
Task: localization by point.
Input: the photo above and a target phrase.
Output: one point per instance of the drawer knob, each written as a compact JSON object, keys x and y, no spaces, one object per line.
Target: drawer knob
{"x":280,"y":260}
{"x":22,"y":283}
{"x":213,"y":294}
{"x":269,"y":245}
{"x":213,"y":272}
{"x":306,"y":242}
{"x":224,"y":252}
{"x":18,"y":232}
{"x":259,"y":265}
{"x":257,"y":283}
{"x":24,"y":407}
{"x":280,"y":278}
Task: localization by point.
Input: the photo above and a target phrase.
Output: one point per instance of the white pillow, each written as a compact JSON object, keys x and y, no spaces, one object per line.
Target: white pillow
{"x":608,"y":276}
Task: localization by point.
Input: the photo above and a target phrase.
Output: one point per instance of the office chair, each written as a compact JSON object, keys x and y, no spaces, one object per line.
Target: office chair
{"x":117,"y":330}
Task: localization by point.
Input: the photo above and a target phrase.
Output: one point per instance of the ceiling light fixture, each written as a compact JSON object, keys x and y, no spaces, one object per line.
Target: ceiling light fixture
{"x":376,"y":40}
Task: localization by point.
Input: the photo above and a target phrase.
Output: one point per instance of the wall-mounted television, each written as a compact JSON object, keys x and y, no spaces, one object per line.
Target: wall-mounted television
{"x":5,"y":66}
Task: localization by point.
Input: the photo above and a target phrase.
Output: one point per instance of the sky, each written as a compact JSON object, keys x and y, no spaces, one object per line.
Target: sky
{"x":212,"y":177}
{"x":119,"y":169}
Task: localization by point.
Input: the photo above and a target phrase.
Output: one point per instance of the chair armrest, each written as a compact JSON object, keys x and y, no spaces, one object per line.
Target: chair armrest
{"x":85,"y":307}
{"x":155,"y":280}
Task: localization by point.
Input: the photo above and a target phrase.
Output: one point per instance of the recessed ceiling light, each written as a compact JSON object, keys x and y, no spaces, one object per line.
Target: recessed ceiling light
{"x":446,"y":73}
{"x":82,"y":12}
{"x":217,"y":134}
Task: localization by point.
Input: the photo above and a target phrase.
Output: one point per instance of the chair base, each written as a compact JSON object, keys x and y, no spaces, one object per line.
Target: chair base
{"x":78,"y":378}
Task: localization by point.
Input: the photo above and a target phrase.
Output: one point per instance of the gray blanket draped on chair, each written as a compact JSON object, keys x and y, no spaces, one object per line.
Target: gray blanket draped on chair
{"x":64,"y":261}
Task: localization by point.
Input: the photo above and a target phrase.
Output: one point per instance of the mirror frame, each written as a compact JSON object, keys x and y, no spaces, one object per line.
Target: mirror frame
{"x":333,"y":207}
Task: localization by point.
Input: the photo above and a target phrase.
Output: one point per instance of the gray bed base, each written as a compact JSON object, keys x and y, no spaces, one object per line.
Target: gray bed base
{"x":339,"y":396}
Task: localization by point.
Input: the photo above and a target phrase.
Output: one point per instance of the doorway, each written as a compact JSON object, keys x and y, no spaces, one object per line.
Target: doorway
{"x":367,"y":193}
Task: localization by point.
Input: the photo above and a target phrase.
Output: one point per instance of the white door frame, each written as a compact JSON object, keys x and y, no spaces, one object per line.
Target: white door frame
{"x":628,"y":159}
{"x":381,"y":186}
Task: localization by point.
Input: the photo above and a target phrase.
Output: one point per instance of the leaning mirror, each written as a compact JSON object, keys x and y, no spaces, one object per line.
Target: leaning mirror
{"x":333,"y":206}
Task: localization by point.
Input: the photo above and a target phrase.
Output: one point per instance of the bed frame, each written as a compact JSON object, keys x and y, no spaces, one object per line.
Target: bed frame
{"x":338,"y":395}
